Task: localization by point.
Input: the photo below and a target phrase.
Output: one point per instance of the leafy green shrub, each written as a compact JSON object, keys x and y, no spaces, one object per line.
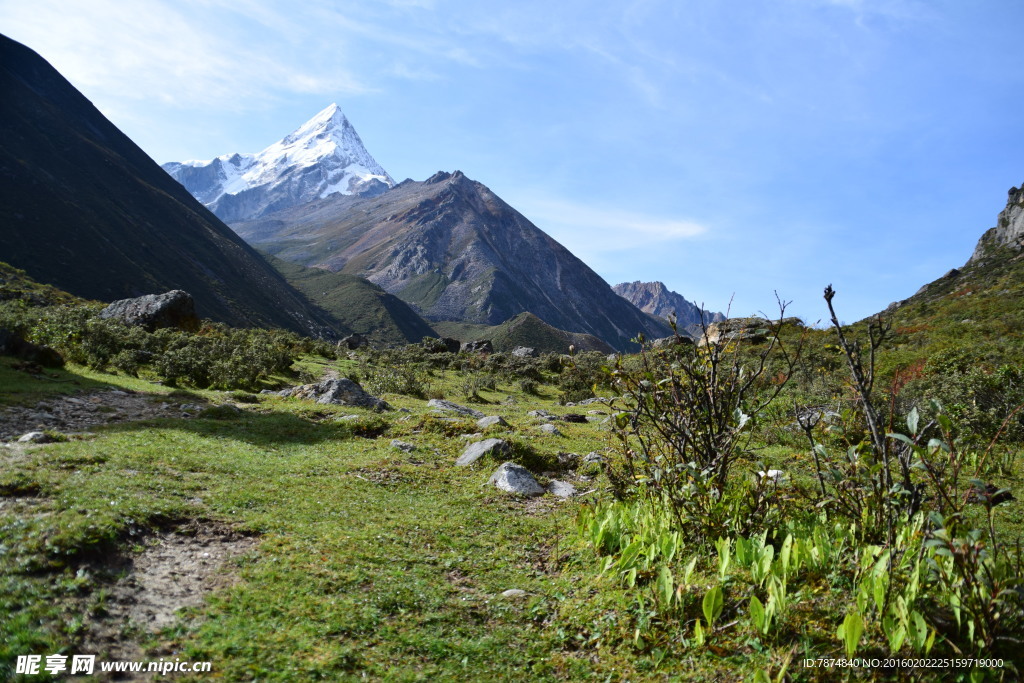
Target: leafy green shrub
{"x":584,"y":373}
{"x":529,"y":386}
{"x":400,"y":379}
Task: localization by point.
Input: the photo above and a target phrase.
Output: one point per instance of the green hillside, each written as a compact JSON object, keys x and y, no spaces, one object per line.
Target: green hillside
{"x":358,"y":304}
{"x":525,"y":329}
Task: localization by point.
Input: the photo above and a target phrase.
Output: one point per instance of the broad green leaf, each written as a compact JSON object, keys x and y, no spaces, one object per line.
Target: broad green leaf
{"x":912,"y":420}
{"x":688,"y":571}
{"x":757,"y":614}
{"x":712,"y":605}
{"x":665,"y":586}
{"x":850,"y":632}
{"x":901,"y":437}
{"x":918,"y":631}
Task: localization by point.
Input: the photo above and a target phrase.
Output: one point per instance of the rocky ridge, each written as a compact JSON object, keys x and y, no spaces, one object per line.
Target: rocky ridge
{"x":658,"y":300}
{"x":455,"y":251}
{"x":1009,"y":230}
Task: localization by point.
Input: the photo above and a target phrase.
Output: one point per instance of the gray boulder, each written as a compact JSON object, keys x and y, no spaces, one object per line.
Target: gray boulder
{"x":475,"y":451}
{"x":34,"y":437}
{"x":516,"y":479}
{"x":551,"y":429}
{"x":342,"y":392}
{"x":525,"y":352}
{"x":403,"y":446}
{"x":441,"y":404}
{"x":490,"y":421}
{"x":561,"y":489}
{"x":155,"y":311}
{"x":353,"y":342}
{"x":479,"y":346}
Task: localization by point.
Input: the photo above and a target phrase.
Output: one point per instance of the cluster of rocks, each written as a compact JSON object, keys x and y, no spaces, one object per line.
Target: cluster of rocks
{"x":513,"y":477}
{"x":754,"y":330}
{"x":575,"y":418}
{"x":337,"y":391}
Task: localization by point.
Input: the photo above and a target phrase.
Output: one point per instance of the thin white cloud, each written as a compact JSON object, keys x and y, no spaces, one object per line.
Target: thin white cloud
{"x":156,"y":51}
{"x":597,"y":229}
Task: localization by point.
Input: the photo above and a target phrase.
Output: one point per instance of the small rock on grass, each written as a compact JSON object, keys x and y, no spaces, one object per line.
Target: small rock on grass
{"x":561,"y":489}
{"x":551,"y":429}
{"x":513,"y":593}
{"x":441,"y":404}
{"x":34,"y":437}
{"x":403,"y":446}
{"x":475,"y":451}
{"x":490,"y":421}
{"x":516,"y":479}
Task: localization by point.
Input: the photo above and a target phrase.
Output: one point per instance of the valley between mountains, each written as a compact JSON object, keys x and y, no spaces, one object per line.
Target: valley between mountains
{"x":279,"y":413}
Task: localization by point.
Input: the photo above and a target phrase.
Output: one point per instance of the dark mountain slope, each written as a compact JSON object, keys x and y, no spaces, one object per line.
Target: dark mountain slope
{"x":85,"y":209}
{"x":455,"y":251}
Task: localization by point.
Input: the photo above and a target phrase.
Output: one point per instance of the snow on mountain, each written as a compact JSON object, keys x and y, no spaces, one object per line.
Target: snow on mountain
{"x":323,"y":156}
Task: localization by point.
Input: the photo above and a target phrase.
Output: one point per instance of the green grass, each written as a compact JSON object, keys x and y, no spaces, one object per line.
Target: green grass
{"x":370,"y":562}
{"x":21,"y":387}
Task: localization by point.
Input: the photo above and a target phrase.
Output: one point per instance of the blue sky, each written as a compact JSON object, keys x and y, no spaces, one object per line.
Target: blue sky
{"x":729,"y":149}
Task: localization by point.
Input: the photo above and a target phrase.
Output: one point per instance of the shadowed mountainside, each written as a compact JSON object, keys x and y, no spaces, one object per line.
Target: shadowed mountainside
{"x":88,"y":211}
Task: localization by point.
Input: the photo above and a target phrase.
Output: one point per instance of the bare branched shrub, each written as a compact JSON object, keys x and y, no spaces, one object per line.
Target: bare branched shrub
{"x":684,"y":419}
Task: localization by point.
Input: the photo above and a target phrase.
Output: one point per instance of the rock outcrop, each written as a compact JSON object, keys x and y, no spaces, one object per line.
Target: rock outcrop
{"x":1009,"y":230}
{"x":754,"y":330}
{"x":156,"y":311}
{"x":341,"y":391}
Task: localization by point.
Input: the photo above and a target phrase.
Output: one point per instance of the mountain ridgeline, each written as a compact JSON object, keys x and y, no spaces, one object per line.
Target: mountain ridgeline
{"x":88,"y":211}
{"x":323,"y":156}
{"x":456,"y":252}
{"x":658,"y":300}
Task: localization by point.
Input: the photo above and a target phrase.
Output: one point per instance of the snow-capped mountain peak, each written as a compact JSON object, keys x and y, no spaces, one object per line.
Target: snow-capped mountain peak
{"x":323,"y":156}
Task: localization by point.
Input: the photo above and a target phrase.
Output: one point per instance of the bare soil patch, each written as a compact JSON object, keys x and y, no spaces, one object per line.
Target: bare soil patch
{"x":176,"y":570}
{"x":70,"y":414}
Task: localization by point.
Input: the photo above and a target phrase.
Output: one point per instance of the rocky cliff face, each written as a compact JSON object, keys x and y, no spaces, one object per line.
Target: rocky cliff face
{"x":324,"y":156}
{"x":455,"y":251}
{"x":658,"y":300}
{"x":1009,"y":230}
{"x":86,"y":210}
